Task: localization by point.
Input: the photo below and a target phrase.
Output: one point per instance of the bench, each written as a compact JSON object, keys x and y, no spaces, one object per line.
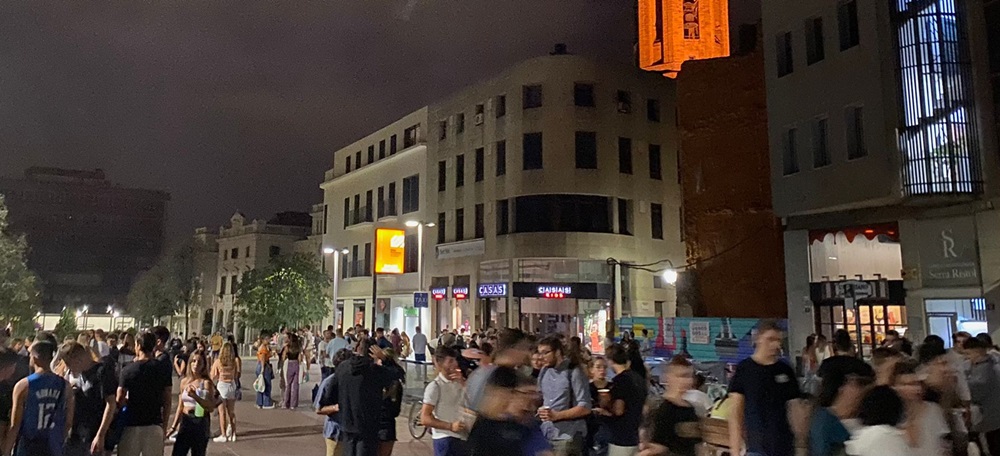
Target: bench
{"x":715,"y":435}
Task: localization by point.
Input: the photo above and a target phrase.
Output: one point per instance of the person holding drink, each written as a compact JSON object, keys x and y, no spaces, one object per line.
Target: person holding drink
{"x":198,"y":398}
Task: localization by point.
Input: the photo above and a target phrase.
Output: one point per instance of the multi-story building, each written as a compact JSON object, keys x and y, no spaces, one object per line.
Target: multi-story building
{"x":884,"y":165}
{"x":378,"y":181}
{"x":526,"y":185}
{"x":88,"y":238}
{"x":238,"y":248}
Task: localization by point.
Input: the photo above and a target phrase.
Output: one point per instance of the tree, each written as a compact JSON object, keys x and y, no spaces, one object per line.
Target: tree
{"x":20,"y":299}
{"x":290,"y":290}
{"x":166,"y":288}
{"x":66,"y":326}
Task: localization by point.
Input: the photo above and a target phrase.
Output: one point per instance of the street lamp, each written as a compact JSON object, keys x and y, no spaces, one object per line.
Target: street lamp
{"x":336,"y":274}
{"x":670,"y":276}
{"x":419,"y":225}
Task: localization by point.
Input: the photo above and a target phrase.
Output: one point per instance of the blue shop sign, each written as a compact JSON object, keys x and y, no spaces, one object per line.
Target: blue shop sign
{"x":492,"y":290}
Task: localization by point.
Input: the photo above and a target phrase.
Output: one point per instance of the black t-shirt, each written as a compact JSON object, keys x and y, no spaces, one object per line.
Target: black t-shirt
{"x":490,"y":437}
{"x":766,"y":389}
{"x":145,"y":382}
{"x":630,"y":388}
{"x":835,"y":369}
{"x":166,"y":365}
{"x":95,"y":384}
{"x":677,"y":428}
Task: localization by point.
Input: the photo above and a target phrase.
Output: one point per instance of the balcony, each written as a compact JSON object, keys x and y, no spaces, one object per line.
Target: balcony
{"x":359,"y":215}
{"x":359,"y":268}
{"x":387,"y":208}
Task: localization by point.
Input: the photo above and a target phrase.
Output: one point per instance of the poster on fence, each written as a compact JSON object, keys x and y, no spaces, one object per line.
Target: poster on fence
{"x":698,"y":332}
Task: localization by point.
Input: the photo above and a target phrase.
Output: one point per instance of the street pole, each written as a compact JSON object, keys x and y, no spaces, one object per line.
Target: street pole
{"x":420,"y":270}
{"x":374,"y":280}
{"x":336,"y":279}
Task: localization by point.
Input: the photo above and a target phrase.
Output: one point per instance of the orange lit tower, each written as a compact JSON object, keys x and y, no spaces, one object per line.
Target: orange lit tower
{"x":674,"y":31}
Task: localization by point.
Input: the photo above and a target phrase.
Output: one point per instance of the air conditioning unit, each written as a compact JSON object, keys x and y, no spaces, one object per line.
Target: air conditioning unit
{"x":478,"y":119}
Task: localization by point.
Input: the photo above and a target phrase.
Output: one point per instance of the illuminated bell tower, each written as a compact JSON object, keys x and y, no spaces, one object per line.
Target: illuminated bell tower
{"x":673,"y":31}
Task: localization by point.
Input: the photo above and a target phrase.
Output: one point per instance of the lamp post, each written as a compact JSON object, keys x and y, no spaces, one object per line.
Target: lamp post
{"x":336,"y":274}
{"x":419,"y":225}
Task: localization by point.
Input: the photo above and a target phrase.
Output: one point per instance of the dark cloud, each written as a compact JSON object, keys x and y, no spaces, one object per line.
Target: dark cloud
{"x":239,"y":105}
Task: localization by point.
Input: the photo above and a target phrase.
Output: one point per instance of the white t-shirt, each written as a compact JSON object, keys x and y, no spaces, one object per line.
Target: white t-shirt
{"x":933,"y":428}
{"x":321,"y":354}
{"x":883,"y":440}
{"x":103,"y":348}
{"x":446,"y":397}
{"x":419,"y":343}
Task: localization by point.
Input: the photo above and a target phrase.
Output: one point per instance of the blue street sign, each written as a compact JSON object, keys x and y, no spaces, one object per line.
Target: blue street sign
{"x":421,"y":299}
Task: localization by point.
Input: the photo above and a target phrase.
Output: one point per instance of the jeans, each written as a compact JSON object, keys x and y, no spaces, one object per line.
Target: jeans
{"x":360,"y":445}
{"x":449,"y":446}
{"x":264,"y":399}
{"x":141,"y":440}
{"x":291,"y":395}
{"x":193,"y":436}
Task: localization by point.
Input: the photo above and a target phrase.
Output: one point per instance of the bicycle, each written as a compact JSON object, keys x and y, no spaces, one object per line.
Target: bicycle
{"x":414,"y":424}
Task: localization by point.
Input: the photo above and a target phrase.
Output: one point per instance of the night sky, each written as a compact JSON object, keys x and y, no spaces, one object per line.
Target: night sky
{"x":240,"y":105}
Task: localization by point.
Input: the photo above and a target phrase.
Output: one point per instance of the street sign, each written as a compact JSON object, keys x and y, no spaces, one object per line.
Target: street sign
{"x":854,"y":289}
{"x":421,"y":300}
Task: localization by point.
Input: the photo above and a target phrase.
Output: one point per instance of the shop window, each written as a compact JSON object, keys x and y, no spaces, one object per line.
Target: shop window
{"x":562,"y":213}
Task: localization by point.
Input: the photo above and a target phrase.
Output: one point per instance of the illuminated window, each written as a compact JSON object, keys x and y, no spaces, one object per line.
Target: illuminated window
{"x":783,"y":51}
{"x":459,"y":224}
{"x":532,"y":151}
{"x":501,"y":158}
{"x":790,"y":154}
{"x":532,"y":96}
{"x":821,"y":153}
{"x":442,"y":176}
{"x":847,"y":22}
{"x":586,"y":150}
{"x":854,"y":124}
{"x":501,"y":106}
{"x":583,"y":94}
{"x":814,"y":40}
{"x":656,"y":220}
{"x":460,"y":171}
{"x":625,"y":155}
{"x":480,"y":158}
{"x":655,"y":162}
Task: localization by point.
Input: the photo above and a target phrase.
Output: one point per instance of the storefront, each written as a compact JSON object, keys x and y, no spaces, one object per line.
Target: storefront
{"x":492,"y":305}
{"x":884,"y":310}
{"x":567,"y":308}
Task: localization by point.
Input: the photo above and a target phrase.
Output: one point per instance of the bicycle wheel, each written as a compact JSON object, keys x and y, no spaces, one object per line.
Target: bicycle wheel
{"x":416,"y":428}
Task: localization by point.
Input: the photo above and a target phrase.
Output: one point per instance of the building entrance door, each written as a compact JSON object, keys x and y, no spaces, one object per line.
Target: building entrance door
{"x":943,"y":325}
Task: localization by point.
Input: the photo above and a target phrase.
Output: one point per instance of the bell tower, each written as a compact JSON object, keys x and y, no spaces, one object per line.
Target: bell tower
{"x":674,"y":31}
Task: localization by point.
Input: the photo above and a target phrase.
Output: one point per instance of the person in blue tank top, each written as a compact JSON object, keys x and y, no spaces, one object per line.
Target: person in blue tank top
{"x":43,"y":409}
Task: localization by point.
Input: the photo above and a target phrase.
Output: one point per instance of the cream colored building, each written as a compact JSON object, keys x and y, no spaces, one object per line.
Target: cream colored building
{"x":532,"y":180}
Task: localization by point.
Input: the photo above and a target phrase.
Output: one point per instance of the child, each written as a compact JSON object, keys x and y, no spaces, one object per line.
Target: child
{"x":442,"y":409}
{"x":43,"y":409}
{"x":675,"y":424}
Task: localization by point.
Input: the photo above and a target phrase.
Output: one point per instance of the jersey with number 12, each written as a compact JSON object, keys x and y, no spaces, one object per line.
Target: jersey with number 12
{"x":45,"y":412}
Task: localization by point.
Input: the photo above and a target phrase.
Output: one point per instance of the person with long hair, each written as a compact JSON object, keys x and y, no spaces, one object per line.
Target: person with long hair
{"x":294,"y":358}
{"x":265,"y":371}
{"x":197,"y":399}
{"x":226,"y":372}
{"x":392,"y":403}
{"x":126,"y":354}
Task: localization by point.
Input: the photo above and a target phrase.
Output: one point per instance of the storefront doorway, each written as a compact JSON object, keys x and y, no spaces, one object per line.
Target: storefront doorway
{"x":947,"y":316}
{"x":876,"y":318}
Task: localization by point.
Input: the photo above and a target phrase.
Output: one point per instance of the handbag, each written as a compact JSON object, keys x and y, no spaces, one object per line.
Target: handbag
{"x":258,"y":384}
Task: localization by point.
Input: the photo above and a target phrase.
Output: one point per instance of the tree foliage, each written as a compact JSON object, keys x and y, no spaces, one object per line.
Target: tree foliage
{"x":20,"y":299}
{"x":291,"y":289}
{"x":66,"y":326}
{"x":166,"y":287}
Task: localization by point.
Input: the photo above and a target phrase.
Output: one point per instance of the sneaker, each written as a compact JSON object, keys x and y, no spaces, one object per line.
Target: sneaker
{"x":268,"y":407}
{"x":221,"y":439}
{"x":232,"y":438}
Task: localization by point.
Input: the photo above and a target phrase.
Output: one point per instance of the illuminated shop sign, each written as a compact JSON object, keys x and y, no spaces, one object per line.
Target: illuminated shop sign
{"x":460,"y":292}
{"x":439,"y":293}
{"x":555,"y":291}
{"x":492,"y":290}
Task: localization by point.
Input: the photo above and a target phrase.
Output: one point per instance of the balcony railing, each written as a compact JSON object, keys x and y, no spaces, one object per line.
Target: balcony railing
{"x":360,"y":215}
{"x":359,"y":268}
{"x":387,"y":208}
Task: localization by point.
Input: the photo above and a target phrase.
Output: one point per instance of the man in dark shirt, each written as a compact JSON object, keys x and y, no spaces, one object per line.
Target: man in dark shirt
{"x":759,"y":392}
{"x":8,"y":364}
{"x":163,"y":358}
{"x":147,"y":408}
{"x":628,"y":395}
{"x":95,"y":400}
{"x":357,"y":388}
{"x":834,"y":371}
{"x":383,"y":343}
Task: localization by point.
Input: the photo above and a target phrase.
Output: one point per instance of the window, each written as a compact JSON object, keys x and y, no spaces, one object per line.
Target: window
{"x":441,"y":228}
{"x":478,"y":120}
{"x":532,"y":96}
{"x":357,"y":160}
{"x":392,"y":145}
{"x":653,"y":110}
{"x":391,"y":204}
{"x":501,"y":106}
{"x":381,"y":148}
{"x":411,"y":136}
{"x":273,"y":251}
{"x":442,"y":175}
{"x":624,"y":217}
{"x":854,"y":122}
{"x":234,"y":285}
{"x":411,"y":194}
{"x":460,"y":122}
{"x":347,"y":212}
{"x":480,"y":221}
{"x":821,"y":154}
{"x":411,"y":254}
{"x":343,"y":266}
{"x":460,"y":170}
{"x":656,"y":219}
{"x":624,"y":101}
{"x":783,"y":51}
{"x":381,"y":202}
{"x":655,"y":162}
{"x":814,"y":40}
{"x":562,"y":213}
{"x":367,"y":261}
{"x":459,"y":224}
{"x":347,"y":164}
{"x":583,"y":94}
{"x":355,"y":262}
{"x":247,"y":252}
{"x":234,"y":253}
{"x":501,"y":158}
{"x":222,"y":284}
{"x":369,"y":205}
{"x":847,"y":23}
{"x":625,"y":155}
{"x":586,"y":150}
{"x":659,"y":282}
{"x":356,"y":215}
{"x":480,"y":158}
{"x":442,"y":129}
{"x":790,"y":153}
{"x":503,"y":216}
{"x":371,"y":154}
{"x":532,"y":146}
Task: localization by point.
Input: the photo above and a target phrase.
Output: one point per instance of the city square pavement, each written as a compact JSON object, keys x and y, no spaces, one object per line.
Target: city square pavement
{"x":293,"y":432}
